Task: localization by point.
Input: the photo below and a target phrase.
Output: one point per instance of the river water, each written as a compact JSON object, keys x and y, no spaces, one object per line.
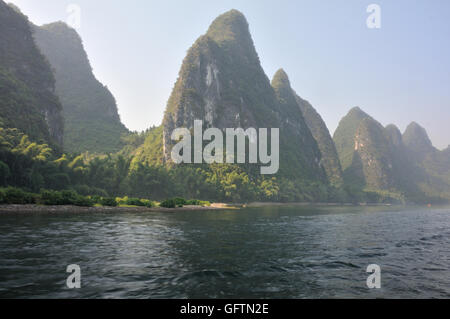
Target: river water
{"x":272,"y":252}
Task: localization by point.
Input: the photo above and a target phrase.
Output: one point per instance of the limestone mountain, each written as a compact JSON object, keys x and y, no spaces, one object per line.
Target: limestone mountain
{"x":92,"y":122}
{"x":383,"y":159}
{"x":344,"y":136}
{"x":417,"y":141}
{"x":405,"y":173}
{"x":330,"y":159}
{"x":364,"y":148}
{"x":432,"y":167}
{"x":27,"y":86}
{"x":297,"y":141}
{"x":394,"y":135}
{"x":222,"y":83}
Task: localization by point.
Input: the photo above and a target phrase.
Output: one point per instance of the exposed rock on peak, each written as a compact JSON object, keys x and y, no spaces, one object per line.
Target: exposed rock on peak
{"x":345,"y":134}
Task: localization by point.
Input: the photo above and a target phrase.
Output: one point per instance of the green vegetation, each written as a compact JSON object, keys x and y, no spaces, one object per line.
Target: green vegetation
{"x":108,"y":201}
{"x":125,"y":201}
{"x":168,"y":203}
{"x":48,"y":197}
{"x":16,"y":196}
{"x":181,"y":202}
{"x":221,"y":81}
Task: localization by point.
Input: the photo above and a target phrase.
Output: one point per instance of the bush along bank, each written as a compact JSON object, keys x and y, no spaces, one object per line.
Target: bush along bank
{"x":16,"y":196}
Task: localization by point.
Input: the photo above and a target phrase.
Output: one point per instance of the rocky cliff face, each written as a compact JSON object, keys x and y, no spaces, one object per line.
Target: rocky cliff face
{"x":92,"y":122}
{"x":27,"y":95}
{"x":330,"y":159}
{"x":222,"y":83}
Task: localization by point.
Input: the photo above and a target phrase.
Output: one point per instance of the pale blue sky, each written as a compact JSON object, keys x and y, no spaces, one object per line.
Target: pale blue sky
{"x":398,"y":74}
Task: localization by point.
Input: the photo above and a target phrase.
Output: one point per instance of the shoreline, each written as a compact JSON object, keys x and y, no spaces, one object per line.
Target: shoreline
{"x":269,"y":204}
{"x":30,"y":209}
{"x":35,"y":209}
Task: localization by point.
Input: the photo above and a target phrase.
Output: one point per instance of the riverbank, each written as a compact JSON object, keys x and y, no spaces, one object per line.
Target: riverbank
{"x":270,"y":204}
{"x":29,"y":209}
{"x":33,"y":208}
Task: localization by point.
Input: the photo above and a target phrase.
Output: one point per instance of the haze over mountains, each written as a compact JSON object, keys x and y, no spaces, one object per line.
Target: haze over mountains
{"x":92,"y":122}
{"x":221,"y":82}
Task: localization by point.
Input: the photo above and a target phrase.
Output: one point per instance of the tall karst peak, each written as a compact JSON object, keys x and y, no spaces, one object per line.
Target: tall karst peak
{"x":357,"y":112}
{"x":320,"y":132}
{"x":92,"y":122}
{"x":282,"y":86}
{"x":281,"y":79}
{"x":221,"y":80}
{"x":223,"y":83}
{"x":231,"y":26}
{"x":365,"y":151}
{"x":61,"y":28}
{"x":416,"y":138}
{"x":394,"y":134}
{"x":345,"y":134}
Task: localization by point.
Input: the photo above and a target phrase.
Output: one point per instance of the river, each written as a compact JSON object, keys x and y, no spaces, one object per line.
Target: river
{"x":269,"y":252}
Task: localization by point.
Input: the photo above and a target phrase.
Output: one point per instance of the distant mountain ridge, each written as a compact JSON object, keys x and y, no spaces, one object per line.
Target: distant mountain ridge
{"x":221,"y":82}
{"x":383,"y":159}
{"x":92,"y":122}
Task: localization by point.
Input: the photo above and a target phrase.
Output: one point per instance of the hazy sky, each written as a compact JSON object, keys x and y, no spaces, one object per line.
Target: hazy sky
{"x":398,"y":74}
